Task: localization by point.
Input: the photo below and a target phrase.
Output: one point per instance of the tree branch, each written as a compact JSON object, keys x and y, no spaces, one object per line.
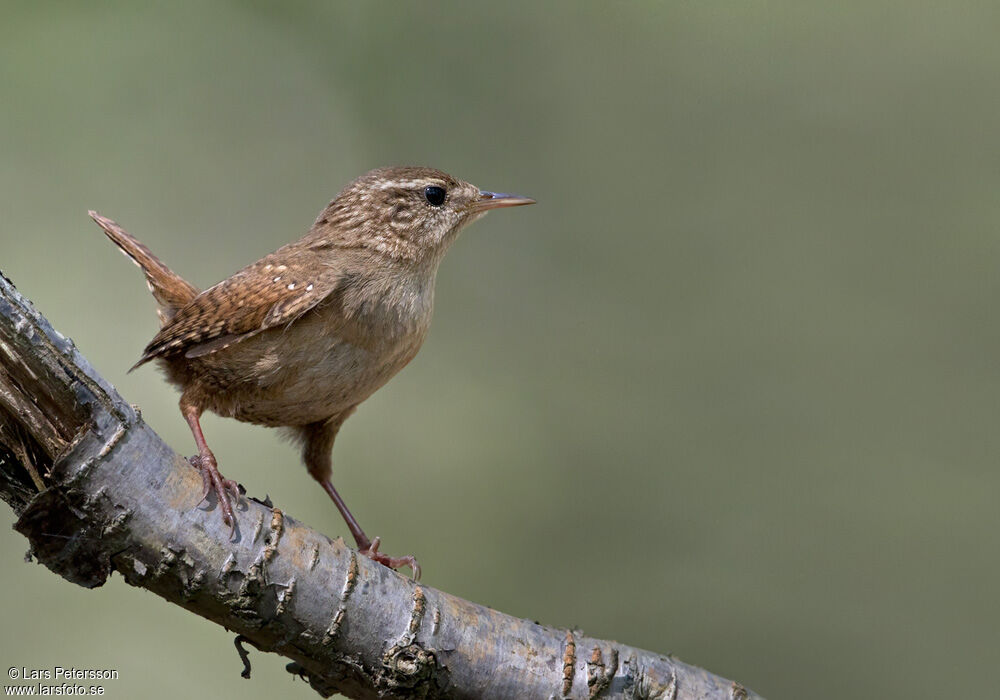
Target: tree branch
{"x":96,"y":490}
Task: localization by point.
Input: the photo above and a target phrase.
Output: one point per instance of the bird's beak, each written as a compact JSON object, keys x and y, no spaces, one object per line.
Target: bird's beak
{"x":495,"y":200}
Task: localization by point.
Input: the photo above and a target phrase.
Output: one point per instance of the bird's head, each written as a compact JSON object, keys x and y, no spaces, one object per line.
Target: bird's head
{"x":409,"y":213}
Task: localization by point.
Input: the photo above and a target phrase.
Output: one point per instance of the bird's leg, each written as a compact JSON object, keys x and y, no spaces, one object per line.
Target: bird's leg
{"x":365,"y":546}
{"x":209,"y":468}
{"x":319,"y":439}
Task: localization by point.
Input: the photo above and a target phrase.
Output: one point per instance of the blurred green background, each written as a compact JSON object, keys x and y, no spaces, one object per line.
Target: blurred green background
{"x":729,"y":390}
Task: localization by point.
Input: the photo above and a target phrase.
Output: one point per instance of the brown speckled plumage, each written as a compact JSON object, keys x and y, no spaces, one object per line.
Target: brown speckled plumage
{"x":301,"y":337}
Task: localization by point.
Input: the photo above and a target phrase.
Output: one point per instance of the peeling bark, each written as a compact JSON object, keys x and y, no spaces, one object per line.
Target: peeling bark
{"x":96,"y":490}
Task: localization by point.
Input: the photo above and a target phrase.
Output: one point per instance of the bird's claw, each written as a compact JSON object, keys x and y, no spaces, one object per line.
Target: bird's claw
{"x":371,"y":551}
{"x":225,"y":489}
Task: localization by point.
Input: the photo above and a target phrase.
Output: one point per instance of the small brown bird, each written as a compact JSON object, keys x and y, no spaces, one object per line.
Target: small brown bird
{"x":301,"y":337}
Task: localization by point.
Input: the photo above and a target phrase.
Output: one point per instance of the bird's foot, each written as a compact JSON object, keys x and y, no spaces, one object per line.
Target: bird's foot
{"x":371,"y":551}
{"x":224,"y":488}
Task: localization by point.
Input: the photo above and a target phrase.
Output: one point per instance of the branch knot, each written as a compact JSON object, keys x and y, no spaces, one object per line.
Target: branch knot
{"x":408,"y":672}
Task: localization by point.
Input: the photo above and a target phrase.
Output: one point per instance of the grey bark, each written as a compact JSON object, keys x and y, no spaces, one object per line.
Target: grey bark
{"x":96,"y":490}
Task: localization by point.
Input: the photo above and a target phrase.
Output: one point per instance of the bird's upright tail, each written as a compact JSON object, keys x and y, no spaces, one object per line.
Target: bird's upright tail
{"x":170,"y":289}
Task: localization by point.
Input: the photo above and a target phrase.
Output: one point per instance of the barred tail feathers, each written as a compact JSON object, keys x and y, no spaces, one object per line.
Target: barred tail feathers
{"x":169,"y":289}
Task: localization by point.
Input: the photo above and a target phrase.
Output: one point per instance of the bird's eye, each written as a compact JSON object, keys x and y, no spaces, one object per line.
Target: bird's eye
{"x":434,"y":195}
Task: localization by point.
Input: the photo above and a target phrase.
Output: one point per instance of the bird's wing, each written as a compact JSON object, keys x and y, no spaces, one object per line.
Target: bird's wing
{"x":272,"y":292}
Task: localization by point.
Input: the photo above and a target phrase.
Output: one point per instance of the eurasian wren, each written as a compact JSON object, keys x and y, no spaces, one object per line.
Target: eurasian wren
{"x":301,"y":337}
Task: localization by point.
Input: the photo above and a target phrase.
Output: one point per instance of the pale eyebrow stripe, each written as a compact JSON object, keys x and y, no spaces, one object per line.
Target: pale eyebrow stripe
{"x":403,"y":184}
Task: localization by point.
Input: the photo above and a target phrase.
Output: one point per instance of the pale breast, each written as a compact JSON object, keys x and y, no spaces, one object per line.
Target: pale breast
{"x":308,"y":386}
